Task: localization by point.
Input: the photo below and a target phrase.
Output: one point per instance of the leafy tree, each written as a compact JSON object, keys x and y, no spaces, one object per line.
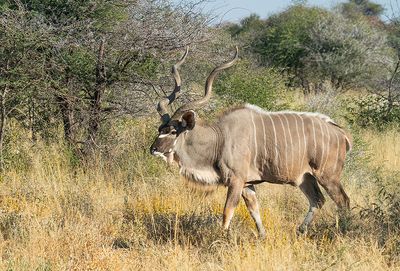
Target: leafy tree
{"x":100,"y":59}
{"x":286,"y":36}
{"x":279,"y":41}
{"x":354,"y":8}
{"x":253,"y":23}
{"x":344,"y":53}
{"x":24,"y":40}
{"x":314,"y":46}
{"x":383,"y":106}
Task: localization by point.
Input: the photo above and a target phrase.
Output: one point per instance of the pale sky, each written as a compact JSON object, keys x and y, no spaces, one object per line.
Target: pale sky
{"x":235,"y":10}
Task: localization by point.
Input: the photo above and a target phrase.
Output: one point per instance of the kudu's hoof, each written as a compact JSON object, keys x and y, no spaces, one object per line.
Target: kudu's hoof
{"x":302,"y":230}
{"x":262,"y":236}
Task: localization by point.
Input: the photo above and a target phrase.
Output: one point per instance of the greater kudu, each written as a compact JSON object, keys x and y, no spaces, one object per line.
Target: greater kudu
{"x":248,"y":145}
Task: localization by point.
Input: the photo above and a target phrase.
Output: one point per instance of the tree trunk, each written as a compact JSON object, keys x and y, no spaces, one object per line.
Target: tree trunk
{"x":390,"y":98}
{"x":95,"y":102}
{"x":32,"y":120}
{"x":67,"y":117}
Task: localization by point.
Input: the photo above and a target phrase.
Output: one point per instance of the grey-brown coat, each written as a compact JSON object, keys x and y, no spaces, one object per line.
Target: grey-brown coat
{"x":248,"y":145}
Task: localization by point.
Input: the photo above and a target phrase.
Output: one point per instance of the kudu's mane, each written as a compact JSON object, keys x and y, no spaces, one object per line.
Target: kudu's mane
{"x":311,"y":114}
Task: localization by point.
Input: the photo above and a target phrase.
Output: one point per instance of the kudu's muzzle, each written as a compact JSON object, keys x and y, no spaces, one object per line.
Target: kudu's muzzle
{"x":153,"y":148}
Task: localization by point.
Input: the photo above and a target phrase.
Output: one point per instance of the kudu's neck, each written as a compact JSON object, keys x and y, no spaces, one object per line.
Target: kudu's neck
{"x":199,"y":146}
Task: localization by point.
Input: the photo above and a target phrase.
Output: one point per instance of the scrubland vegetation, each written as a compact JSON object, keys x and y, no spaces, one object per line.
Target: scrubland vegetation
{"x":134,"y":213}
{"x":78,"y":84}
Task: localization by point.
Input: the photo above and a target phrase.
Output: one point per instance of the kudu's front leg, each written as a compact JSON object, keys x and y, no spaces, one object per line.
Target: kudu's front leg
{"x":249,"y":196}
{"x":232,"y":200}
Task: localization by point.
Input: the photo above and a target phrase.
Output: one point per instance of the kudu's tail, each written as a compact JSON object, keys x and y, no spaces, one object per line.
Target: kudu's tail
{"x":347,"y":136}
{"x":349,"y":140}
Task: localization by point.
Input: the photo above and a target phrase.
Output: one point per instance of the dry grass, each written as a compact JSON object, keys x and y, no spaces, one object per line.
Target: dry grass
{"x":385,"y":147}
{"x":135,"y":214}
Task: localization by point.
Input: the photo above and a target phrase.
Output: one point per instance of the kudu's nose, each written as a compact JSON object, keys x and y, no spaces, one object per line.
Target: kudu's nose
{"x":153,"y":150}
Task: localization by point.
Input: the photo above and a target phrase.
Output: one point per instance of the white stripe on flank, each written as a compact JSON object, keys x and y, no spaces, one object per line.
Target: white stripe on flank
{"x":322,"y":145}
{"x":315,"y":141}
{"x":290,"y":146}
{"x":255,"y":139}
{"x":286,"y":147}
{"x":264,"y":142}
{"x":275,"y":145}
{"x":297,"y":132}
{"x":329,"y":142}
{"x":305,"y":140}
{"x":338,"y":149}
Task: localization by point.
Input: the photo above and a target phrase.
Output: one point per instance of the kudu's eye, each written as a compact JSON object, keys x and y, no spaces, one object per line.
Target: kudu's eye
{"x":165,"y":131}
{"x":173,"y":132}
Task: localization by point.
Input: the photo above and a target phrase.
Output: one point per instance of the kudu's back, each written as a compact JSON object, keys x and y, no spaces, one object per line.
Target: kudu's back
{"x":280,"y":147}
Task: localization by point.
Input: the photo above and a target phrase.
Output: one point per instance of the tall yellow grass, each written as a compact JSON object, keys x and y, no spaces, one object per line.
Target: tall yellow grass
{"x":136,"y":214}
{"x":385,"y":148}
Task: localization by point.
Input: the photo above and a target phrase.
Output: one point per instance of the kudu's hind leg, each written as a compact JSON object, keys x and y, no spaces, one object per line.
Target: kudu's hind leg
{"x":249,"y":196}
{"x":336,"y":192}
{"x":315,"y":197}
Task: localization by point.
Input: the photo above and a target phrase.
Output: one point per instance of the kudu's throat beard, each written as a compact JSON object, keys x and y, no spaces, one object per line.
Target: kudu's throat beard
{"x":170,"y":158}
{"x":167,"y":157}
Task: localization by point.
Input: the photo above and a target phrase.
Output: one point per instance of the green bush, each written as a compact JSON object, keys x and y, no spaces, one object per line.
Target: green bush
{"x":263,"y":87}
{"x":344,"y":52}
{"x":383,"y":216}
{"x":372,"y":111}
{"x":286,"y":35}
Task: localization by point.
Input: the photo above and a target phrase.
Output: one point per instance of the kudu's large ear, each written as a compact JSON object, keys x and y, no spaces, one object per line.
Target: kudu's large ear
{"x":189,"y":119}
